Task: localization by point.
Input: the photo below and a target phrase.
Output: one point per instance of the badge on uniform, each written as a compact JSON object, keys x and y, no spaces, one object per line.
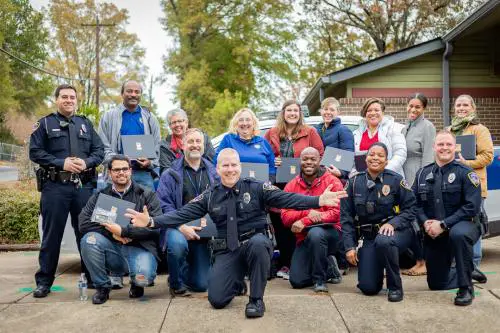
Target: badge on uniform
{"x":474,"y":178}
{"x":451,"y":177}
{"x":386,"y":189}
{"x":246,"y":198}
{"x":84,"y":128}
{"x":404,"y":184}
{"x":35,"y":126}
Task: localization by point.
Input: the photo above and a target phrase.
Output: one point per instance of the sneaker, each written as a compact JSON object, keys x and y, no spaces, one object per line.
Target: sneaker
{"x":101,"y":295}
{"x":320,"y":287}
{"x":333,"y":273}
{"x":284,"y":273}
{"x":116,"y":282}
{"x":180,"y":292}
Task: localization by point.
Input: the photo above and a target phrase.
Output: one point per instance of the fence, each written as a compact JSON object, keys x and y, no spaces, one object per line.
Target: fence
{"x":9,"y":152}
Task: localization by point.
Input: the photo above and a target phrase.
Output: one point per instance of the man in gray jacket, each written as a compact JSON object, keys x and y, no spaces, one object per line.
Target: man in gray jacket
{"x":130,"y":118}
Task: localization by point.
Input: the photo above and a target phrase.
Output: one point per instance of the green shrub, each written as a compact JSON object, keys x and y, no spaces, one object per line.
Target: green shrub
{"x":19,"y":209}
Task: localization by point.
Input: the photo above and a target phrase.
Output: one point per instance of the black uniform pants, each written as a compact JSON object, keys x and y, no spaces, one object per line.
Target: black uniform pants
{"x":456,"y":243}
{"x":227,"y":274}
{"x":310,"y":259}
{"x":378,"y":254}
{"x":57,"y":201}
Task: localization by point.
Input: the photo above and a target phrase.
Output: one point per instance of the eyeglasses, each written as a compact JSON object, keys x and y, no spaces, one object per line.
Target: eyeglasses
{"x":118,"y":170}
{"x":180,"y":121}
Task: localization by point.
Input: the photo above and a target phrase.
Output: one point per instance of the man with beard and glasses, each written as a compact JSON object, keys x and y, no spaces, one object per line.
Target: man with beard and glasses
{"x":189,"y":176}
{"x":237,"y":207}
{"x":448,"y":205}
{"x":317,"y":230}
{"x":130,"y":118}
{"x":111,"y":248}
{"x":68,"y":150}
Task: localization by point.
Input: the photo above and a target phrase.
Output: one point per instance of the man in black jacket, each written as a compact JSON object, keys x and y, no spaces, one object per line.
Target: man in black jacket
{"x":118,"y":250}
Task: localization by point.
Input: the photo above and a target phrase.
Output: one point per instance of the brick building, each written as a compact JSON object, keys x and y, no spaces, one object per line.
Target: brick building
{"x":464,"y":61}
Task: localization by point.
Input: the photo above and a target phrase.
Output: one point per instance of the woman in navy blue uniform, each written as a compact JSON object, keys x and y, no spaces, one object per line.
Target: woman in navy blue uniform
{"x":379,"y":210}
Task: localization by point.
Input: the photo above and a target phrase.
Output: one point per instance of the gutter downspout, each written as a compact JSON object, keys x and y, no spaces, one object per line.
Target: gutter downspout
{"x":446,"y":84}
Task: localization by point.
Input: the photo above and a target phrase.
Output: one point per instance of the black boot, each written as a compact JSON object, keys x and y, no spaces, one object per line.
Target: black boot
{"x":464,"y":296}
{"x":135,"y":291}
{"x":101,"y":295}
{"x":395,"y":295}
{"x":479,"y":276}
{"x":255,"y":308}
{"x":41,"y":291}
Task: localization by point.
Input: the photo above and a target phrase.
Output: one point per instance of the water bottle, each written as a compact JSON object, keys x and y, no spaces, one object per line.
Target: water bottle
{"x":82,"y":287}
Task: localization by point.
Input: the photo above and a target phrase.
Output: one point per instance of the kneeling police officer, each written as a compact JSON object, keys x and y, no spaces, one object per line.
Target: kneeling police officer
{"x":237,"y":208}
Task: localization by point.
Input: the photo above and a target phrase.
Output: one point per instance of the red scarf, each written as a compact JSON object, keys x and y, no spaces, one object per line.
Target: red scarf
{"x":176,"y":145}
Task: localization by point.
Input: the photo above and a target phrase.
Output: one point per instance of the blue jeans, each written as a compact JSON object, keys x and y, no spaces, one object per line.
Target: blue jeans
{"x":144,"y":178}
{"x":102,"y":255}
{"x":188,"y":262}
{"x":477,"y":249}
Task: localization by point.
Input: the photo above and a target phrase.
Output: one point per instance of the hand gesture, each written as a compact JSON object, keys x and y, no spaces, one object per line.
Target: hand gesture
{"x":329,"y":198}
{"x":72,"y":165}
{"x":314,"y":216}
{"x":297,"y":227}
{"x":461,"y":159}
{"x":138,"y":219}
{"x":352,"y":257}
{"x":144,"y":162}
{"x":189,"y":232}
{"x":387,"y":230}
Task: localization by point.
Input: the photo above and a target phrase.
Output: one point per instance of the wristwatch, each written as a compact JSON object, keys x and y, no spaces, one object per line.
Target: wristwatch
{"x":151,"y":223}
{"x":443,"y":225}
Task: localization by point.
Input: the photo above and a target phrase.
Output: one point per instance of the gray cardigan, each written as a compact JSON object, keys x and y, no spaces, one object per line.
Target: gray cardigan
{"x":419,"y":141}
{"x":111,"y":124}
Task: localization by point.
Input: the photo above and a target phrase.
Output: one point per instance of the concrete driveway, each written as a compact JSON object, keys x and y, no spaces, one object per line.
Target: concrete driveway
{"x":344,"y":309}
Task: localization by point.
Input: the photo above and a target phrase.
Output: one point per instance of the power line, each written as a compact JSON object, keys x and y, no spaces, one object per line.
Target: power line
{"x":41,"y":69}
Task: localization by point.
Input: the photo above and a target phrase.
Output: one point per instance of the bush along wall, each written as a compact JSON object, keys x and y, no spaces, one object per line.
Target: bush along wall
{"x":19,"y":209}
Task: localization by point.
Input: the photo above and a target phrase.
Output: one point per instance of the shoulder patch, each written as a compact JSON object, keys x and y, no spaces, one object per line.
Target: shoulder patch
{"x":35,"y":126}
{"x":267,"y":186}
{"x":404,"y":184}
{"x":198,"y":198}
{"x":474,"y":178}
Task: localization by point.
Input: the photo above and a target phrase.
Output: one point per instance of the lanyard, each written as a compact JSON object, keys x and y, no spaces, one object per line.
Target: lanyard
{"x":196,"y":188}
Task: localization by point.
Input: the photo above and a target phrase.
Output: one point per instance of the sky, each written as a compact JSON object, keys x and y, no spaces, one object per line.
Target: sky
{"x":144,"y":21}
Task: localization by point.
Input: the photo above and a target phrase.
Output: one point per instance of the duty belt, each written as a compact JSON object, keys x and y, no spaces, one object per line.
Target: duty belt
{"x":370,"y":230}
{"x":69,"y":177}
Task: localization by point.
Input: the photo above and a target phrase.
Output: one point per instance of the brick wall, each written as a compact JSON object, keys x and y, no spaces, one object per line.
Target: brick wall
{"x":488,"y":110}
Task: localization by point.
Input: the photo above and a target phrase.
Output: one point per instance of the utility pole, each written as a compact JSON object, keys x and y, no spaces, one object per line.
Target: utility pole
{"x":97,"y":26}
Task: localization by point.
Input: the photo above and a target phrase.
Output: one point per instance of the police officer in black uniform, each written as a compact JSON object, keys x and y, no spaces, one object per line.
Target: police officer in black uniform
{"x":67,"y":149}
{"x":448,"y":203}
{"x":379,"y":210}
{"x":237,"y":207}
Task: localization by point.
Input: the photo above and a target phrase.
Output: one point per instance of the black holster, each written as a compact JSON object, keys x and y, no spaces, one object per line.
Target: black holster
{"x":41,"y":178}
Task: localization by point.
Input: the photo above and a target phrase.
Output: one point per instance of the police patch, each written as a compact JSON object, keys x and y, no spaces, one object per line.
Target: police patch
{"x":35,"y":126}
{"x":198,"y":198}
{"x":474,"y":178}
{"x":267,"y":186}
{"x":404,"y":184}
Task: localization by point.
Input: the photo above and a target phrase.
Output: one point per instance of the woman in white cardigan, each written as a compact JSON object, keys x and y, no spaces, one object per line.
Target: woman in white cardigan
{"x":377,"y":127}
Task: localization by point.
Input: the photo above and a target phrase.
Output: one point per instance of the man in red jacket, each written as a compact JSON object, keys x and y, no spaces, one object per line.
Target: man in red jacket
{"x":317,"y":230}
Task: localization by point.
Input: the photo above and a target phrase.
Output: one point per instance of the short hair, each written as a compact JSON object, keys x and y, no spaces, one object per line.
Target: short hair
{"x":471,"y":100}
{"x":227,"y":151}
{"x":380,"y":144}
{"x":421,"y":97}
{"x":330,"y":101}
{"x":190,"y":131}
{"x":445,"y":132}
{"x":309,"y":150}
{"x":369,"y":102}
{"x":174,"y":112}
{"x":125,"y":83}
{"x":118,"y":157}
{"x":63,"y":86}
{"x":233,"y":125}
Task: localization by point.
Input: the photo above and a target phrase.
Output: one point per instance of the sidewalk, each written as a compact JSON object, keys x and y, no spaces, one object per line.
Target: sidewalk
{"x":288,"y":310}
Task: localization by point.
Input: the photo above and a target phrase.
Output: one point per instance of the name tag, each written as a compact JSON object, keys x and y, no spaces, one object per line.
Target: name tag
{"x":56,"y":130}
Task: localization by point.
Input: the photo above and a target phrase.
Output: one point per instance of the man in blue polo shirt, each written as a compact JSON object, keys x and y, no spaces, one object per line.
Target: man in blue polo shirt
{"x":130,"y":118}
